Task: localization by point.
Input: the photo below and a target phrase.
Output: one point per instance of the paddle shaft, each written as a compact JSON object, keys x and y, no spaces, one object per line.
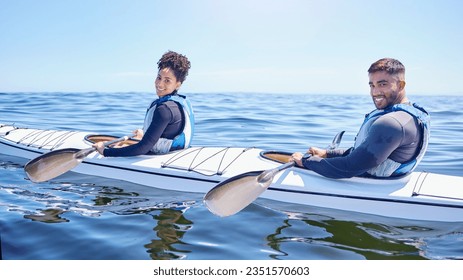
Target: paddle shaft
{"x":266,"y":177}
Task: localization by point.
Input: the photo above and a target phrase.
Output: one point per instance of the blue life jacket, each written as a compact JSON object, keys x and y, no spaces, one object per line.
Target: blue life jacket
{"x":181,"y":141}
{"x":390,"y":168}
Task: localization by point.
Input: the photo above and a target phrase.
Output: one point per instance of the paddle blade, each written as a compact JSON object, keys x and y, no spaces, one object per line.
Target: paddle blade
{"x":232,"y":195}
{"x":51,"y":165}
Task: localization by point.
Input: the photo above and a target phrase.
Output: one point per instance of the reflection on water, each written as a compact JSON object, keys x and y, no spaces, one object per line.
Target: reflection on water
{"x":170,"y":229}
{"x":48,"y":216}
{"x":407,"y":240}
{"x":366,"y":240}
{"x":59,"y":200}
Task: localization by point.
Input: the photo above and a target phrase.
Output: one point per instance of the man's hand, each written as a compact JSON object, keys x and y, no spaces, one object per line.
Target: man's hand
{"x":313,"y":151}
{"x":317,"y":152}
{"x":297,"y":158}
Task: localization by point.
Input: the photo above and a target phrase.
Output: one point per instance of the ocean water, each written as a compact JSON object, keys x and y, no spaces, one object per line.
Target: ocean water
{"x":86,"y":218}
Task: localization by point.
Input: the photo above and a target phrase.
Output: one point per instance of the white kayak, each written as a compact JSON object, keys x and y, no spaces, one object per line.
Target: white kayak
{"x":418,"y":196}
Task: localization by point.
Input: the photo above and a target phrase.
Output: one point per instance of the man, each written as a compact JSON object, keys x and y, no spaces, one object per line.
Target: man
{"x":391,"y":141}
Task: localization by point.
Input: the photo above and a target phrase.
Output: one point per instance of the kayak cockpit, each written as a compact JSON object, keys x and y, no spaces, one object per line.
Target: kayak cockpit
{"x":281,"y":157}
{"x":94,"y":138}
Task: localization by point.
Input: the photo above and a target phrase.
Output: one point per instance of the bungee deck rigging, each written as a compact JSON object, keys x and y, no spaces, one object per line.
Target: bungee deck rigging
{"x":40,"y":139}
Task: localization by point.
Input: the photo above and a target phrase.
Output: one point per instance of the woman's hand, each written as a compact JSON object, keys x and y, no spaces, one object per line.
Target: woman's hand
{"x":138,"y":134}
{"x":99,"y":147}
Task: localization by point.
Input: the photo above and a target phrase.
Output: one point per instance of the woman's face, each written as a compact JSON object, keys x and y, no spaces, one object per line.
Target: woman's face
{"x":166,"y":82}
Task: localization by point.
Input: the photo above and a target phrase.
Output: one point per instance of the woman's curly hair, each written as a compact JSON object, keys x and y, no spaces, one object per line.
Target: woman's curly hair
{"x":178,"y":63}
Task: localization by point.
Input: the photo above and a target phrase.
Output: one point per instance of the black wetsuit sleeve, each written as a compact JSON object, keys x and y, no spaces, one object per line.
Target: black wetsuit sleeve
{"x":161,"y":118}
{"x":385,"y":135}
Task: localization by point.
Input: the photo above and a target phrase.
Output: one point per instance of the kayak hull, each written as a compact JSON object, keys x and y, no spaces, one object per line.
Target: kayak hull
{"x":418,"y":196}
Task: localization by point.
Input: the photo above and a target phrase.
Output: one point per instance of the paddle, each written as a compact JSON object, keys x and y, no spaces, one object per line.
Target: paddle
{"x":55,"y":163}
{"x":232,"y":195}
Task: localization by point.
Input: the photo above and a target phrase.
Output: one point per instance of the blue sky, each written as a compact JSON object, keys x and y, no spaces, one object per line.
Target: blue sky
{"x":287,"y":46}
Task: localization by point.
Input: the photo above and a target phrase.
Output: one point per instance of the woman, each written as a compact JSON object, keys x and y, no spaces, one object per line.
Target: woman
{"x":169,"y":119}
